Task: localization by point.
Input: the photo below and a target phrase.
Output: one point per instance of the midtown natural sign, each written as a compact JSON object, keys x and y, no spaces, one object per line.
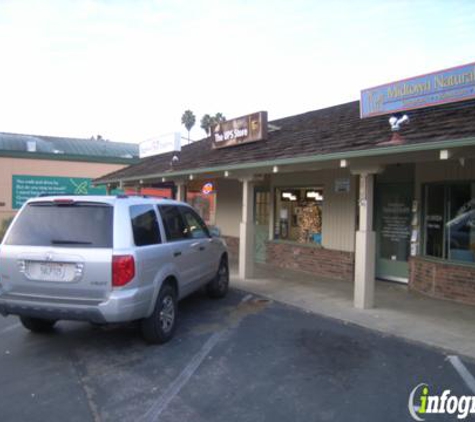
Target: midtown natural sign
{"x":445,"y":86}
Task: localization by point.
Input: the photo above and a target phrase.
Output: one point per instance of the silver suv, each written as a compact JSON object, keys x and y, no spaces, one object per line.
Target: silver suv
{"x":108,"y":259}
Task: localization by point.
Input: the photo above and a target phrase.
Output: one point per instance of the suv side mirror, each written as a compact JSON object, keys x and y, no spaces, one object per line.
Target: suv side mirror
{"x":215,"y":232}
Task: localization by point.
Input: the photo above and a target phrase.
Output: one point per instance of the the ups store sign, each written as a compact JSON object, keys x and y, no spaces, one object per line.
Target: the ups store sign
{"x":250,"y":128}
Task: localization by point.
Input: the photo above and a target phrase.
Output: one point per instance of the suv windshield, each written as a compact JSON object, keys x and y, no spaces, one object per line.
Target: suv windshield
{"x":79,"y":224}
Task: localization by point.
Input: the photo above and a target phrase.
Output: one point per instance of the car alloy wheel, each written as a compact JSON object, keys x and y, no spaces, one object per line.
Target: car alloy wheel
{"x":167,"y":314}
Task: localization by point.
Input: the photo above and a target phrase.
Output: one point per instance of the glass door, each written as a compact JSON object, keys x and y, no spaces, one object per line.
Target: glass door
{"x":393,"y":230}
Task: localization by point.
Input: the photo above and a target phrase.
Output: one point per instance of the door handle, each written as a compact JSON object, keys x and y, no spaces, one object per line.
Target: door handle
{"x":177,"y":253}
{"x":202,"y":248}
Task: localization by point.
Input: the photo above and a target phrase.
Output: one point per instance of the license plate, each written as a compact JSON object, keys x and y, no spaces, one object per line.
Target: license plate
{"x":49,"y":271}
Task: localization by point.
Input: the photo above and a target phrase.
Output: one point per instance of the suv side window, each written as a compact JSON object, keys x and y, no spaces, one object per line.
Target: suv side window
{"x":196,"y":228}
{"x":144,"y":225}
{"x":175,"y":227}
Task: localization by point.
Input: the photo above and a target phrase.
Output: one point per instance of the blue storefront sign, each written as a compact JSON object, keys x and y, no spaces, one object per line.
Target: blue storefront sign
{"x":445,"y":86}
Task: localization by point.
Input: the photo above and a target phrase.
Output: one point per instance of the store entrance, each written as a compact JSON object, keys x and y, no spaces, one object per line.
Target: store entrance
{"x":261,"y":223}
{"x":393,"y":230}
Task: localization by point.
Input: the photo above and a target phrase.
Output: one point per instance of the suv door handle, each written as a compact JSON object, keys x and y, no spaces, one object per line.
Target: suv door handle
{"x":202,"y":248}
{"x":176,"y":253}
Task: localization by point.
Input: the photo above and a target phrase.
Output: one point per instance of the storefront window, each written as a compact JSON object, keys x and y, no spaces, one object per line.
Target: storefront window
{"x":299,"y":214}
{"x":202,"y":197}
{"x":450,"y":221}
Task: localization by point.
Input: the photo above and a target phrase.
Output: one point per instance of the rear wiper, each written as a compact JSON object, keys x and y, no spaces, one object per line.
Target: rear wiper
{"x":69,"y":242}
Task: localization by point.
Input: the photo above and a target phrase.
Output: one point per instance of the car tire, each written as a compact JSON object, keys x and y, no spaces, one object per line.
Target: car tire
{"x":37,"y":325}
{"x":218,"y":287}
{"x":160,"y":327}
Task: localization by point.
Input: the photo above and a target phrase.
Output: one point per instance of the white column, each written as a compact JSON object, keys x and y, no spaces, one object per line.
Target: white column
{"x":365,"y":248}
{"x":271,"y":212}
{"x":180,"y":191}
{"x":246,"y":231}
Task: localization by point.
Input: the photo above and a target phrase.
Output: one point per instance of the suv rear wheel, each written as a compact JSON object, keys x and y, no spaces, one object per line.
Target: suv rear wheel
{"x":159,"y":327}
{"x":218,"y":286}
{"x":37,"y":325}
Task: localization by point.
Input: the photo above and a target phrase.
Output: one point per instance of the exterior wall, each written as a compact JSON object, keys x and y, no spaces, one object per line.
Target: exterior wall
{"x":323,"y":262}
{"x":12,"y":166}
{"x":443,"y":280}
{"x":233,"y":247}
{"x":443,"y":171}
{"x":228,"y":206}
{"x":339,"y":209}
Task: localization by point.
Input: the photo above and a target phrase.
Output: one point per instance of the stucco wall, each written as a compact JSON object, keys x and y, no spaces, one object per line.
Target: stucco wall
{"x":19,"y":166}
{"x":228,"y":206}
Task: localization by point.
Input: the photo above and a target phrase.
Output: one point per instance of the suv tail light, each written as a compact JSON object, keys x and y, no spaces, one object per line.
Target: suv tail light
{"x":123,"y":270}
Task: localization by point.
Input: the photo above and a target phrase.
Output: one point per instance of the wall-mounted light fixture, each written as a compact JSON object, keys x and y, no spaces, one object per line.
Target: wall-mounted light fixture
{"x":191,"y":177}
{"x":164,"y":179}
{"x":444,"y":154}
{"x":226,"y":173}
{"x":343,"y":164}
{"x":275,"y":169}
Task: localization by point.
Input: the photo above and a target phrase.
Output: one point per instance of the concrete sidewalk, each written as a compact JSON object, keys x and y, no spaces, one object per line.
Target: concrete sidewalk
{"x":398,"y":312}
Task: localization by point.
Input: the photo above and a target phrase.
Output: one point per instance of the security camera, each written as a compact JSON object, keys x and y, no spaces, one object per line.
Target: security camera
{"x":396,"y":122}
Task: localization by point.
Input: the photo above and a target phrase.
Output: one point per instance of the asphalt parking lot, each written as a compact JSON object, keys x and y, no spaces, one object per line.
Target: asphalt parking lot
{"x":238,"y":359}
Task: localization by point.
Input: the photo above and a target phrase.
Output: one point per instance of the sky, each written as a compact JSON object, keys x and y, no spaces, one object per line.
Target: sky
{"x":128,"y":69}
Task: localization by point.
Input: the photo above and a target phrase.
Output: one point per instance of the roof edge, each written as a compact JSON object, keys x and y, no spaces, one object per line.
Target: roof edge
{"x":373,"y":152}
{"x":67,"y":157}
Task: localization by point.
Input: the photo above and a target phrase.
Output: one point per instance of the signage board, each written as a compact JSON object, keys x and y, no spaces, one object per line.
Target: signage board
{"x":250,"y":128}
{"x":445,"y":86}
{"x":25,"y":187}
{"x":207,"y":188}
{"x":160,"y":145}
{"x":342,"y":185}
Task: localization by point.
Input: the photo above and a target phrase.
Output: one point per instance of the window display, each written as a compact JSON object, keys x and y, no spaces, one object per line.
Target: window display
{"x":201,"y":195}
{"x":299,"y":215}
{"x":449,"y":221}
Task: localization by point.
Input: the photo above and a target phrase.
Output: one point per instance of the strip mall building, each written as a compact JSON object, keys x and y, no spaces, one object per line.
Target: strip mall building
{"x":31,"y":165}
{"x":382,"y":188}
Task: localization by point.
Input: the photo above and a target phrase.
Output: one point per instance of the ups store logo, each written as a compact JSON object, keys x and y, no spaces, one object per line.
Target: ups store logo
{"x":250,"y":128}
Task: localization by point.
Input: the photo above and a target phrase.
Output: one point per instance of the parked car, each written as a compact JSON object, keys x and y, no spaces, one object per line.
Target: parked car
{"x":108,"y":259}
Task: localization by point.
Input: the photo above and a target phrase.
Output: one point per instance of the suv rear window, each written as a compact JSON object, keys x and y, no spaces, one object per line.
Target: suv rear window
{"x":80,"y":224}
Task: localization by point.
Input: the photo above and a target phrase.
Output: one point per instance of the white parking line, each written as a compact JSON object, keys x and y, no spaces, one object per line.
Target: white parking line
{"x":10,"y":328}
{"x":246,"y":298}
{"x":174,"y":388}
{"x":462,"y":370}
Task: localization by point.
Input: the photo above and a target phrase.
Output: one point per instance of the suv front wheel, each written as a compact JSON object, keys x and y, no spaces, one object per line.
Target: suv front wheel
{"x":159,"y":327}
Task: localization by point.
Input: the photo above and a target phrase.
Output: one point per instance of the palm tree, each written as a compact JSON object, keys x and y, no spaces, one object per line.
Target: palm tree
{"x":206,"y":123}
{"x":219,"y":117}
{"x":188,"y":119}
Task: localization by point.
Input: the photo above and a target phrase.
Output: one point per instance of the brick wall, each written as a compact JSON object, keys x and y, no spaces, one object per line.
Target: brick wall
{"x":443,"y":280}
{"x":233,"y":247}
{"x":319,"y":261}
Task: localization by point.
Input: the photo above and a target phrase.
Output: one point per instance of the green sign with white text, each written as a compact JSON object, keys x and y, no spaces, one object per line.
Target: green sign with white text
{"x":26,"y":187}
